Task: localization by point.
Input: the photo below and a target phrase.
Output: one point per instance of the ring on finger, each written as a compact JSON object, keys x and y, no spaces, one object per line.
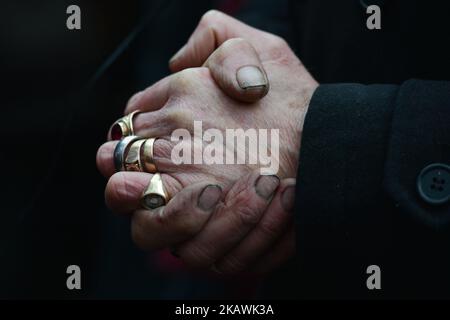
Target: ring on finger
{"x":155,"y":195}
{"x":147,"y":160}
{"x":121,"y":151}
{"x":123,"y":127}
{"x":133,"y":157}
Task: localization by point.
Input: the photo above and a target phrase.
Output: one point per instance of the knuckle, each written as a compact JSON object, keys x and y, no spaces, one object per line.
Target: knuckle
{"x":210,"y":17}
{"x":199,"y":73}
{"x":228,"y":49}
{"x":183,"y":78}
{"x":155,"y":123}
{"x":187,"y":80}
{"x":181,"y":118}
{"x":280,"y":51}
{"x":234,"y":43}
{"x":133,"y":100}
{"x":188,"y":73}
{"x":278,"y":42}
{"x":141,"y":122}
{"x":147,"y":123}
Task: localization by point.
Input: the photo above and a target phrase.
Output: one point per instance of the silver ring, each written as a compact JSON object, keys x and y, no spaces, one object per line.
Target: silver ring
{"x":120,"y":151}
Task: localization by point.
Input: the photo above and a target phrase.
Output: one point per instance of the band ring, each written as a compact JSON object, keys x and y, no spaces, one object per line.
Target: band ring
{"x":121,"y":151}
{"x":134,"y":153}
{"x":123,"y":127}
{"x":147,"y":161}
{"x":154,"y":196}
{"x":133,"y":157}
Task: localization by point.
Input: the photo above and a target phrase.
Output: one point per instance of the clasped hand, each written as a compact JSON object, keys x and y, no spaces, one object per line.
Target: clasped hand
{"x":227,"y":217}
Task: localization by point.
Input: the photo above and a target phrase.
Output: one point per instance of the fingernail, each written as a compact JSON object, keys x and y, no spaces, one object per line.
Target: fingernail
{"x":209,"y":197}
{"x":177,"y":55}
{"x":266,"y":185}
{"x":288,"y":198}
{"x":250,"y":77}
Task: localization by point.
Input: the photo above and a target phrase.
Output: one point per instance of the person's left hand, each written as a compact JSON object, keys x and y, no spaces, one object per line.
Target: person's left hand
{"x":246,"y":228}
{"x":197,"y":94}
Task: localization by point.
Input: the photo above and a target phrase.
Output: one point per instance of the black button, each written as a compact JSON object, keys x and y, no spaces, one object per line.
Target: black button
{"x":433,"y":183}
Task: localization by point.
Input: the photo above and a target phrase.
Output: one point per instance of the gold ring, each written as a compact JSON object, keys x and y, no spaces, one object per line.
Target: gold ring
{"x":133,"y":157}
{"x":123,"y":127}
{"x":148,"y":163}
{"x":154,"y":195}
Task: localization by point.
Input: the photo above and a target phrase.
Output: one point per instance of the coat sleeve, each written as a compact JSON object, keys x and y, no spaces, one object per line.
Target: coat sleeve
{"x":374,"y":189}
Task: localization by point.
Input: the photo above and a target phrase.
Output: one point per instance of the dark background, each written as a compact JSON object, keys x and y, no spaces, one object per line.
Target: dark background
{"x":57,"y":108}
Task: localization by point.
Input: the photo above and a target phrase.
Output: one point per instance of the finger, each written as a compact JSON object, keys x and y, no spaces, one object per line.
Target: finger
{"x":161,"y":157}
{"x":179,"y":220}
{"x":149,"y":124}
{"x":105,"y":159}
{"x":236,"y":68}
{"x":124,"y":190}
{"x":154,"y":120}
{"x":274,"y":223}
{"x":153,"y":124}
{"x":282,"y":251}
{"x":152,"y":98}
{"x":213,"y":29}
{"x":231,"y":222}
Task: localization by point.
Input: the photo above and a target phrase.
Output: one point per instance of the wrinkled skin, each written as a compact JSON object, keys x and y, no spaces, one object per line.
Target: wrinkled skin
{"x":248,"y":223}
{"x":192,"y":94}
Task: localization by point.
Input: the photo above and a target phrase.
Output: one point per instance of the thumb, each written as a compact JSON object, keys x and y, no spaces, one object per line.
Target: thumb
{"x":237,"y":70}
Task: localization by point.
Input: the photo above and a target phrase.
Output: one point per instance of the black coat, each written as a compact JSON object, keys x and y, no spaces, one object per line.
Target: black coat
{"x":362,"y":195}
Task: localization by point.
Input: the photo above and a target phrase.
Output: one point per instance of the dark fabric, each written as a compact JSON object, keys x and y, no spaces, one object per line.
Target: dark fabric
{"x":342,"y":163}
{"x":363,"y":148}
{"x":332,"y":40}
{"x":420,"y":136}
